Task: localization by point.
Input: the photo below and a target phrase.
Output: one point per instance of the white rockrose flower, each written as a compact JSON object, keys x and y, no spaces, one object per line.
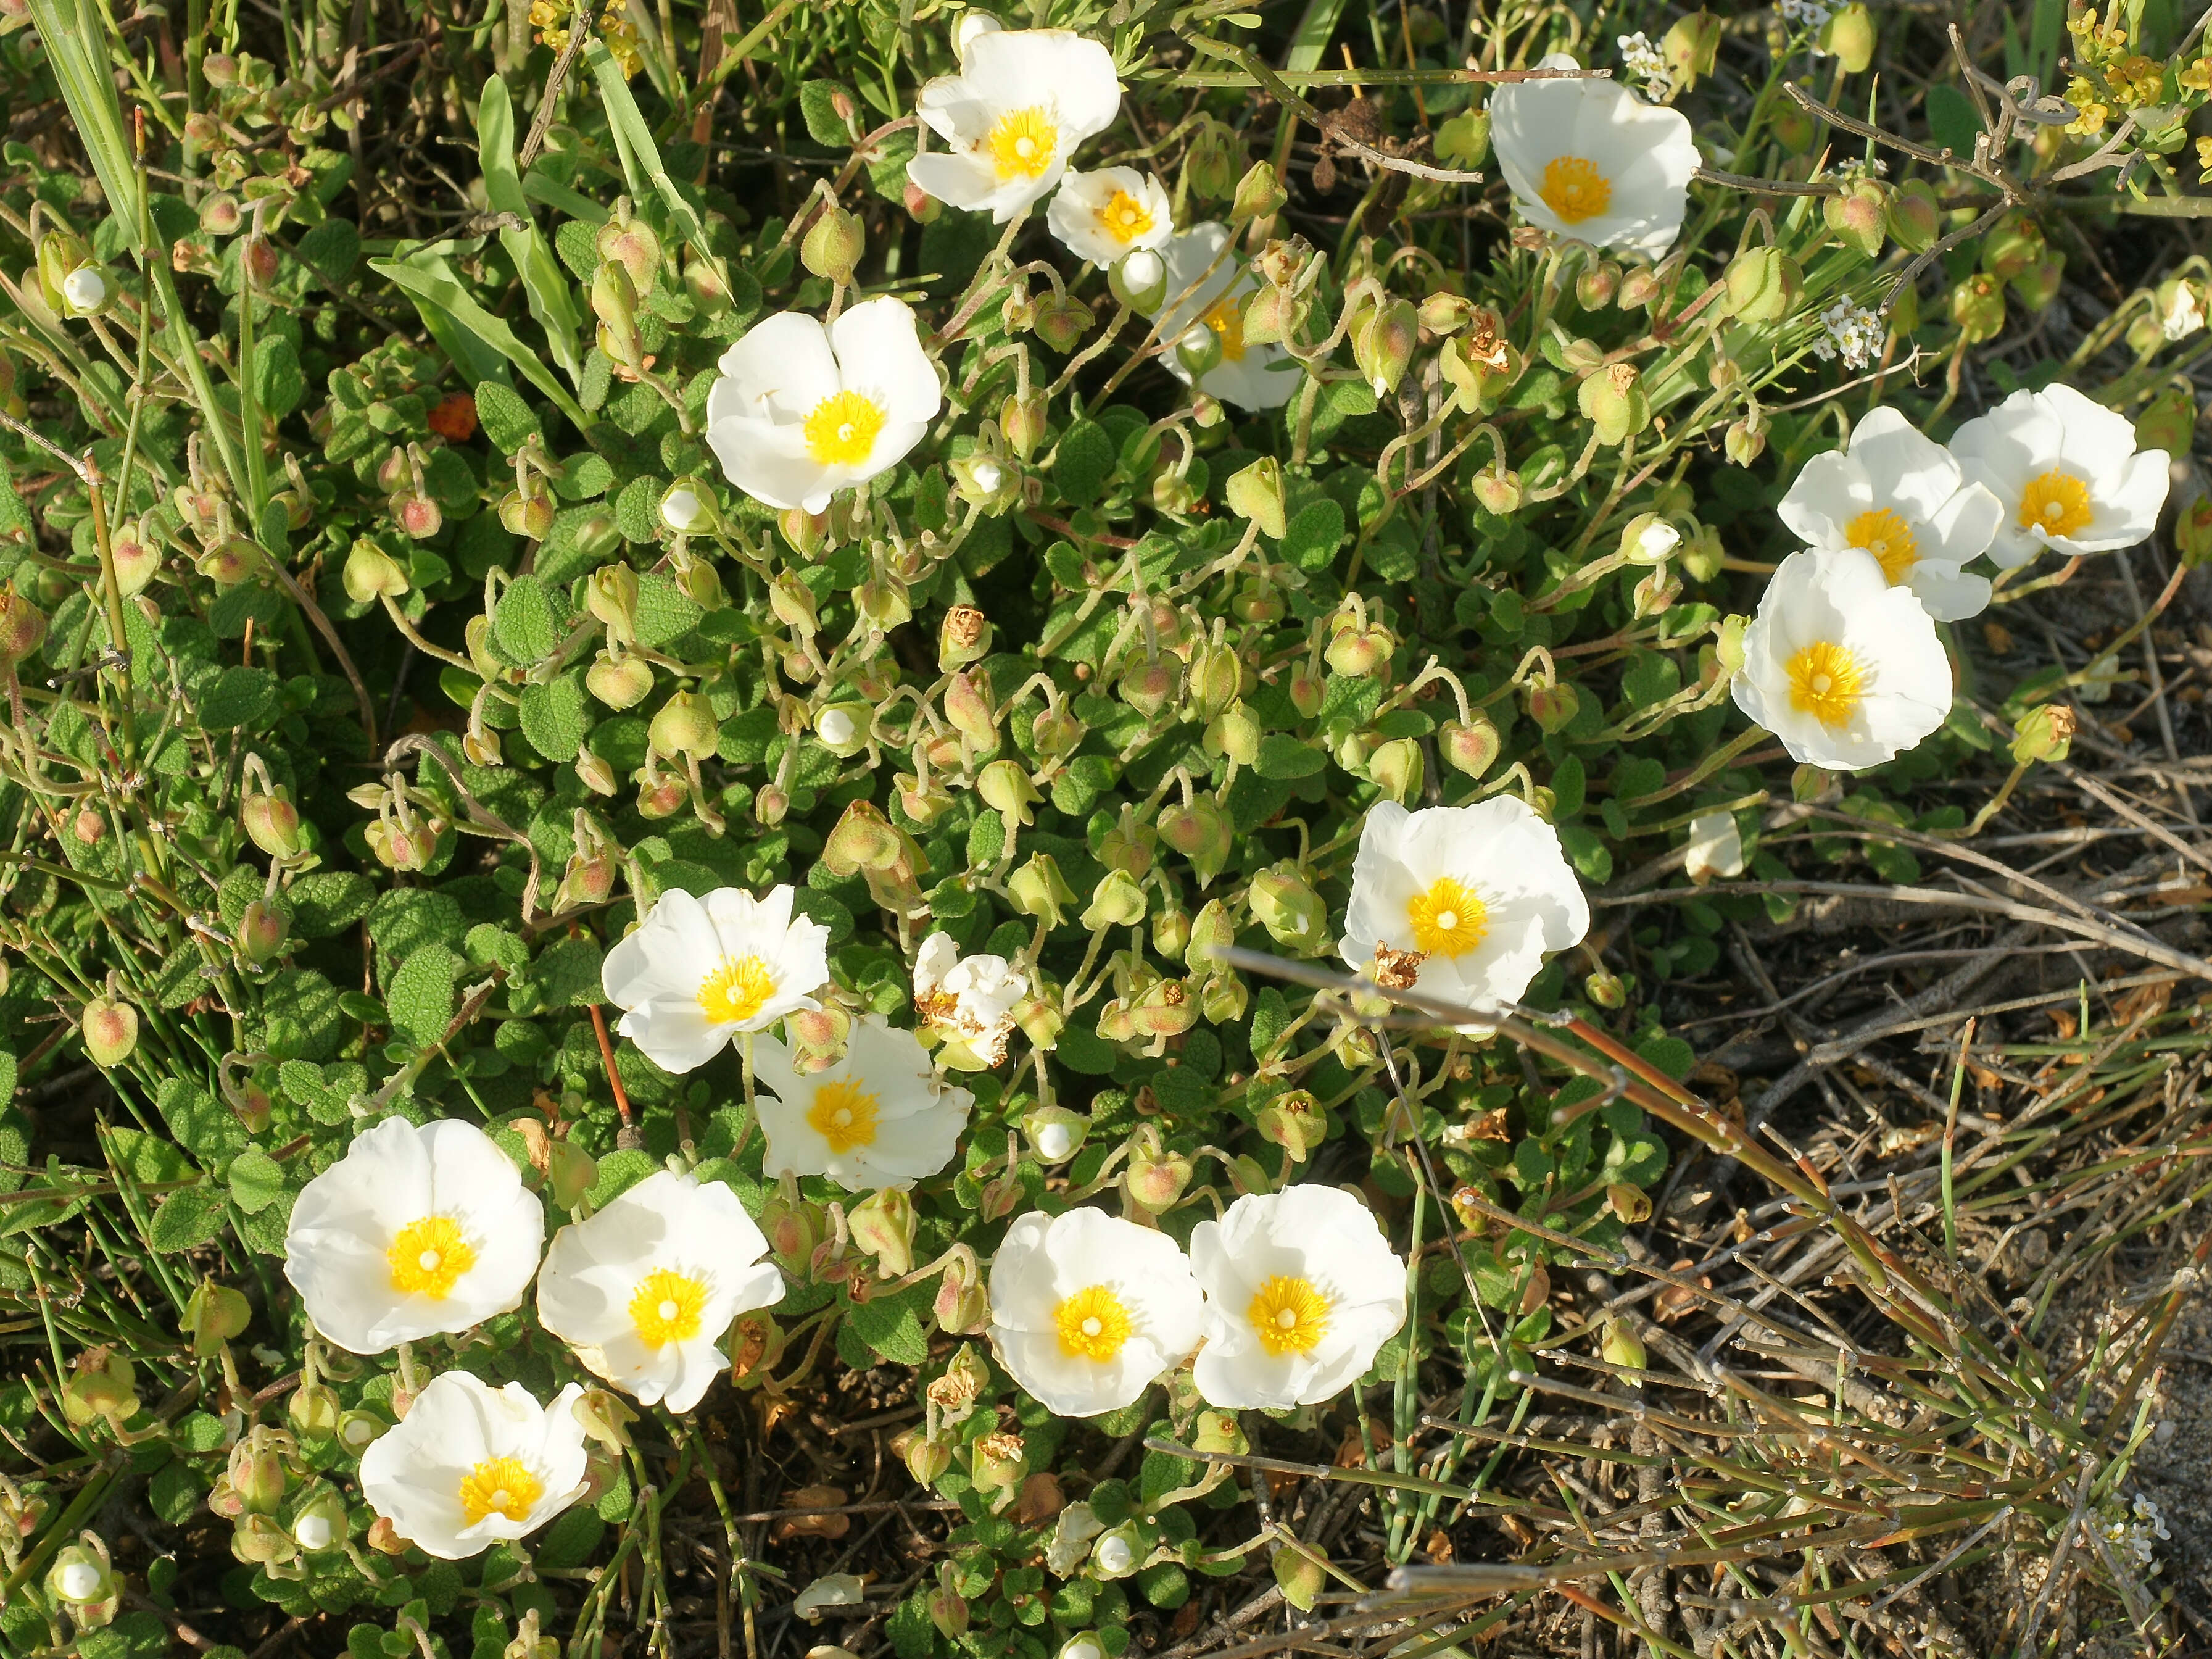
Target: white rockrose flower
{"x":1589,"y":160}
{"x":1105,"y":215}
{"x":470,"y":1464}
{"x":1715,"y":851}
{"x":1460,"y":903}
{"x":1846,"y":669}
{"x":1207,"y":288}
{"x":1013,"y":115}
{"x":413,"y":1232}
{"x":2066,"y":473}
{"x":877,"y":1118}
{"x":969,"y":1001}
{"x":800,"y":411}
{"x":1901,"y":497}
{"x":695,"y":972}
{"x":1086,"y":1310}
{"x":1302,"y":1289}
{"x":644,"y":1291}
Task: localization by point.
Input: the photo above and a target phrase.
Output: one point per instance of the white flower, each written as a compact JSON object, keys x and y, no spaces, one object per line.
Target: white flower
{"x":2065,"y":471}
{"x":470,"y":1465}
{"x":837,"y":1589}
{"x":80,"y":1582}
{"x":1851,"y":331}
{"x":969,"y":1001}
{"x":680,"y":508}
{"x":1648,"y":64}
{"x":313,"y":1532}
{"x":800,"y":411}
{"x":645,"y":1289}
{"x":1846,"y":669}
{"x":694,"y":974}
{"x":1056,"y":1141}
{"x":972,"y":24}
{"x":836,"y":728}
{"x":1805,"y":14}
{"x":1207,"y":287}
{"x":877,"y":1118}
{"x":1023,"y":100}
{"x":1086,"y":1310}
{"x":1301,"y":1289}
{"x":1900,"y":495}
{"x":85,"y":290}
{"x":412,"y":1233}
{"x":1716,"y":848}
{"x":1461,"y":902}
{"x":1103,"y":216}
{"x":1589,"y":160}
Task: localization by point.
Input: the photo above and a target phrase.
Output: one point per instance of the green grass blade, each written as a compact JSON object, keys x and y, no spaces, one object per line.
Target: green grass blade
{"x":445,"y":302}
{"x":77,"y":46}
{"x":552,"y":301}
{"x":634,"y":137}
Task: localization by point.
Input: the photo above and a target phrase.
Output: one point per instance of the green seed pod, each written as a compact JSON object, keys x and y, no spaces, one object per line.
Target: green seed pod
{"x":110,"y":1029}
{"x":1915,"y":216}
{"x":1284,"y":903}
{"x":1849,"y":37}
{"x":1397,"y":769}
{"x":1038,"y":890}
{"x":1859,"y":216}
{"x":22,"y":627}
{"x":1612,"y":399}
{"x":1383,"y":345}
{"x":883,"y":1224}
{"x":1463,"y":141}
{"x":619,"y":682}
{"x":1260,"y":194}
{"x":1763,"y":285}
{"x":1006,"y":787}
{"x":1255,"y":492}
{"x":1117,"y":901}
{"x":684,"y":725}
{"x":2045,"y":733}
{"x":833,"y":244}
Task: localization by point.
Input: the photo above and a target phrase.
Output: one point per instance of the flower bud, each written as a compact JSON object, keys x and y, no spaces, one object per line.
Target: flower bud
{"x":1260,"y":194}
{"x":982,"y":481}
{"x":1612,"y":399}
{"x":1499,"y":491}
{"x":1914,"y":215}
{"x":1308,"y":691}
{"x":1848,"y":36}
{"x":1690,"y":47}
{"x":22,"y":627}
{"x":2044,"y":732}
{"x":1471,"y":747}
{"x":1463,"y":141}
{"x":614,"y":302}
{"x":1198,"y":350}
{"x":1764,"y":284}
{"x":620,"y":682}
{"x":1553,"y":707}
{"x":1005,"y":786}
{"x":1149,"y":685}
{"x":1117,"y":901}
{"x":81,"y":1576}
{"x":1119,"y":1553}
{"x":927,"y":1457}
{"x":371,"y":573}
{"x":1977,"y":307}
{"x":684,"y":725}
{"x":1284,"y":903}
{"x":833,"y":244}
{"x":1235,"y":734}
{"x":683,"y":508}
{"x":1155,"y":1177}
{"x":963,"y":1305}
{"x":807,"y":533}
{"x":1038,"y":890}
{"x":1295,"y":1122}
{"x":1656,"y":592}
{"x":1382,"y":344}
{"x":1396,"y":768}
{"x":319,"y":1523}
{"x":842,"y":728}
{"x":1202,"y":833}
{"x":1139,"y":281}
{"x":1056,"y":1134}
{"x":962,"y":636}
{"x":257,"y":1467}
{"x":213,"y":1315}
{"x":1858,"y":216}
{"x":1745,"y":441}
{"x":1255,"y":492}
{"x":1022,"y":417}
{"x":969,"y":709}
{"x":110,"y":1029}
{"x":629,"y":243}
{"x":1596,"y":284}
{"x":1062,"y":320}
{"x":526,"y":513}
{"x":883,"y":1224}
{"x":103,"y":1385}
{"x":272,"y":823}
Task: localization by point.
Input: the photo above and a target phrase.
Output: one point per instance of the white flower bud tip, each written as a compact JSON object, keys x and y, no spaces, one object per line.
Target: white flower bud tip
{"x":1657,"y":541}
{"x":86,"y":290}
{"x":1055,"y":1143}
{"x":988,"y":475}
{"x":1113,"y":1555}
{"x":79,"y":1581}
{"x":1142,"y":268}
{"x":314,"y":1531}
{"x":971,"y":25}
{"x":357,"y":1432}
{"x":836,"y":728}
{"x":680,"y":509}
{"x":1194,"y":338}
{"x":1082,"y":1647}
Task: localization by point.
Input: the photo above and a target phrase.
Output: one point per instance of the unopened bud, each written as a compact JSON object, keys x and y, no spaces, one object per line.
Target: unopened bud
{"x":684,"y":725}
{"x":1260,"y":194}
{"x":371,"y":573}
{"x":1202,"y":833}
{"x":1383,"y":345}
{"x":1117,"y":901}
{"x":1139,"y":281}
{"x":1471,"y":747}
{"x":1396,"y":768}
{"x":1858,"y":216}
{"x":1037,"y":889}
{"x":1255,"y":492}
{"x":1284,"y":903}
{"x":1849,"y":37}
{"x":110,"y":1029}
{"x":883,"y":1224}
{"x":833,"y":244}
{"x":1763,"y":285}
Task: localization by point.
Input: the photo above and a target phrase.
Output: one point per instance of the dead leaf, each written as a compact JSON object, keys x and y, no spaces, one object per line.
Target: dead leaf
{"x":814,"y":1526}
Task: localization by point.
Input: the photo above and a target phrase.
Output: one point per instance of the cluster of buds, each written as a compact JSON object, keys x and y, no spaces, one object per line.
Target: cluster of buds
{"x":628,"y":275}
{"x":102,"y":1388}
{"x":409,"y":821}
{"x":71,"y":282}
{"x":867,"y":843}
{"x":226,"y":557}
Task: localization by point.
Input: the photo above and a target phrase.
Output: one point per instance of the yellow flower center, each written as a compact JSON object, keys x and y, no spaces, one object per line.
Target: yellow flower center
{"x":1574,"y":189}
{"x":667,"y":1305}
{"x":1447,"y":920}
{"x":1289,"y":1315}
{"x":429,"y":1257}
{"x":844,"y":1114}
{"x":738,"y":989}
{"x":1024,"y":141}
{"x":1093,"y":1324}
{"x":842,"y":430}
{"x":2057,"y":504}
{"x":1827,"y":682}
{"x":500,"y":1485}
{"x":1226,"y":318}
{"x":1124,"y":217}
{"x":1883,"y":534}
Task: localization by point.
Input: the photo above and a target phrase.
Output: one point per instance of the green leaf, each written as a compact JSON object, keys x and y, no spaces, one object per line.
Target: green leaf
{"x":1282,"y":756}
{"x":279,"y":383}
{"x":187,"y":1220}
{"x":507,"y":421}
{"x":331,"y":251}
{"x":257,"y":1180}
{"x":557,"y":716}
{"x":203,"y":1125}
{"x":619,"y":1171}
{"x":75,"y":36}
{"x":891,"y":1325}
{"x":451,"y":313}
{"x":817,"y":107}
{"x":567,"y":974}
{"x":552,"y":301}
{"x":1314,"y":534}
{"x":324,"y":902}
{"x":240,"y":697}
{"x":665,"y":610}
{"x":1952,"y":121}
{"x":525,"y":626}
{"x":146,"y":1158}
{"x":632,"y":136}
{"x":1086,"y":460}
{"x":421,"y":995}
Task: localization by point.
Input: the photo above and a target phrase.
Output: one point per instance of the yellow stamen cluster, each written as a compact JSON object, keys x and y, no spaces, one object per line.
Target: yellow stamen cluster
{"x":666,"y":1307}
{"x":1574,"y":189}
{"x":2057,"y":503}
{"x":738,"y":989}
{"x":429,"y":1257}
{"x":1883,"y":532}
{"x":1093,"y":1323}
{"x":1827,"y":681}
{"x":1289,"y":1315}
{"x":844,"y":1114}
{"x":500,"y":1485}
{"x":1449,"y":920}
{"x":841,"y":430}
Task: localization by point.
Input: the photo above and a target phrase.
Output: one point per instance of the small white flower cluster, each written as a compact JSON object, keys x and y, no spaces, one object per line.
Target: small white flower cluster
{"x":1645,"y":63}
{"x":2136,"y":1532}
{"x":1805,"y":13}
{"x":1851,"y":331}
